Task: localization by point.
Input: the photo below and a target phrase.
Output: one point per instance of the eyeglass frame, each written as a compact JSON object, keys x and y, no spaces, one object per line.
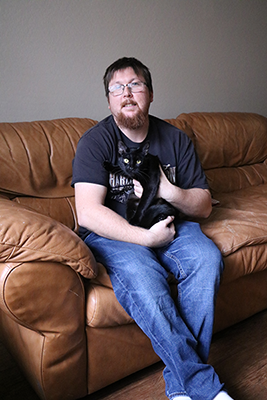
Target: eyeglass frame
{"x":123,"y":86}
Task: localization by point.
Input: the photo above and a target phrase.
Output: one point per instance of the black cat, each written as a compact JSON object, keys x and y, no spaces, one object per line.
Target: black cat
{"x":144,"y":167}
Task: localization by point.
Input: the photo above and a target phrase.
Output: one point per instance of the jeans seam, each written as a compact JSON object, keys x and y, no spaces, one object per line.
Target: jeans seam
{"x":177,"y":262}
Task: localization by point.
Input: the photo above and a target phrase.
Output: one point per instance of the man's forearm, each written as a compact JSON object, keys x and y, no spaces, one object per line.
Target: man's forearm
{"x":96,"y":217}
{"x":105,"y":222}
{"x":110,"y":225}
{"x":191,"y":202}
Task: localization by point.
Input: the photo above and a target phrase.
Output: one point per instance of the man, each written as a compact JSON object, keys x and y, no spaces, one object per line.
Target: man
{"x":138,"y":260}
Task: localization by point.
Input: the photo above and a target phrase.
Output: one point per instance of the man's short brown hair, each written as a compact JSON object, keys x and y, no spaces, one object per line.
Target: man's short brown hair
{"x":128,"y":62}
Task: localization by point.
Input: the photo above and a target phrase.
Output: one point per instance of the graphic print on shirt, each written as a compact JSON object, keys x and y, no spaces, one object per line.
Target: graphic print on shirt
{"x":120,"y":187}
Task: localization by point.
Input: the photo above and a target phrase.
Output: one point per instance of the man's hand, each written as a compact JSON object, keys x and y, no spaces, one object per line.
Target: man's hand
{"x":165,"y":186}
{"x":162,"y":233}
{"x":138,"y":188}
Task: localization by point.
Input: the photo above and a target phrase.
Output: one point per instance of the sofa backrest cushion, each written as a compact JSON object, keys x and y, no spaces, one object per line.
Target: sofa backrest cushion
{"x":36,"y":156}
{"x":36,"y":165}
{"x":232,"y":147}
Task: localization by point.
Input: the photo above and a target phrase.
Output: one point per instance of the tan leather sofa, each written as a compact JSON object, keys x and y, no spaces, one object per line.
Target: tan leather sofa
{"x":58,"y":313}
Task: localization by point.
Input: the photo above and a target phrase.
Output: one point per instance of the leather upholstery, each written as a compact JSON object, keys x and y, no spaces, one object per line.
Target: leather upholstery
{"x":58,"y":313}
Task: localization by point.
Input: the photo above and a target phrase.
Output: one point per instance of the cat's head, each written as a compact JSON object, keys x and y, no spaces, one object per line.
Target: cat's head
{"x":132,"y":161}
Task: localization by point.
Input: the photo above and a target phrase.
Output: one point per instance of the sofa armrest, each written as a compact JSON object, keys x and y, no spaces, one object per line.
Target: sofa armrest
{"x":27,"y":236}
{"x":45,"y":331}
{"x":42,"y":296}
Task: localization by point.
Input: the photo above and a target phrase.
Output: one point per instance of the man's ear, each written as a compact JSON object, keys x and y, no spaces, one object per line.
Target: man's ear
{"x":151,"y":97}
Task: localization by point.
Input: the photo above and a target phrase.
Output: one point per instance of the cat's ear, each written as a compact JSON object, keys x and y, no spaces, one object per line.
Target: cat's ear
{"x":122,"y":148}
{"x":146,"y":148}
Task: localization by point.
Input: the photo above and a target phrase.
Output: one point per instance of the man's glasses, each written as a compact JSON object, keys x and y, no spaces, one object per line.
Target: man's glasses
{"x":135,"y":87}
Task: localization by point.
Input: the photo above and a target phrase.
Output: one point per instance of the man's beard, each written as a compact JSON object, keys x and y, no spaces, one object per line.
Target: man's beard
{"x":134,"y":123}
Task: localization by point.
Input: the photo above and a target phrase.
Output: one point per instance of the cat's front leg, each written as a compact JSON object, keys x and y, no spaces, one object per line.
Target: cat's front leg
{"x":132,"y":205}
{"x":140,"y":209}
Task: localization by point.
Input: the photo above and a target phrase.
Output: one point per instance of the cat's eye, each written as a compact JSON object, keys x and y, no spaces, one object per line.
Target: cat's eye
{"x":126,"y":160}
{"x":138,"y":162}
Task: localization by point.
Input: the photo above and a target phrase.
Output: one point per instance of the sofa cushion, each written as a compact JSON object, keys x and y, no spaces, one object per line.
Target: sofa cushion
{"x":227,"y":180}
{"x":238,"y":226}
{"x":36,"y":157}
{"x":228,"y":139}
{"x":234,"y":229}
{"x":103,"y":309}
{"x":61,"y":209}
{"x":27,"y":236}
{"x":232,"y":147}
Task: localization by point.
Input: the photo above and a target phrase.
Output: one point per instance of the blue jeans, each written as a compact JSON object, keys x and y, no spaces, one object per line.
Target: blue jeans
{"x":180,"y":331}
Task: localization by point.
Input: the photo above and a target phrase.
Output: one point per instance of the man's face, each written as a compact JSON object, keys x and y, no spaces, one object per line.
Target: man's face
{"x":130,"y":110}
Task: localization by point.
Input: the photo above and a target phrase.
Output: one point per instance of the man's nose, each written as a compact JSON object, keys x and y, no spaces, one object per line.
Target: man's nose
{"x":127,"y":92}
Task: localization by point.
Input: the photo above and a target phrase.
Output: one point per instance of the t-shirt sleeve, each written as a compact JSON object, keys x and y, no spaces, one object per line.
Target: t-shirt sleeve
{"x":190,"y":173}
{"x":87,"y":165}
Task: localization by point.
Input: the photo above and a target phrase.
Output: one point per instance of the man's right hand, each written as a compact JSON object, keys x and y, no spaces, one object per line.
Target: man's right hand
{"x":162,"y":233}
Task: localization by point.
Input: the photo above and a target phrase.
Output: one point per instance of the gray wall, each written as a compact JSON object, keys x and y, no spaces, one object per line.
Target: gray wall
{"x":204,"y":55}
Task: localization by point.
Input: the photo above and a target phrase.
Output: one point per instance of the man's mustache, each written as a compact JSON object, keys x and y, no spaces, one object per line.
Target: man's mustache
{"x":128,"y":102}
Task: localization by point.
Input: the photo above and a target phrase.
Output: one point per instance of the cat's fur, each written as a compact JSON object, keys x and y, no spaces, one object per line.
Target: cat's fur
{"x":140,"y":165}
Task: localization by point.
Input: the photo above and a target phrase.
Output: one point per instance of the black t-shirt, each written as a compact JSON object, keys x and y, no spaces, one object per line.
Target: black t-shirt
{"x":173,"y":147}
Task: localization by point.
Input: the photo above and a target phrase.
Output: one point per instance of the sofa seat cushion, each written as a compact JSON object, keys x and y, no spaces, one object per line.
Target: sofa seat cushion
{"x":239,"y":224}
{"x":102,"y":308}
{"x":238,"y":232}
{"x":250,"y":199}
